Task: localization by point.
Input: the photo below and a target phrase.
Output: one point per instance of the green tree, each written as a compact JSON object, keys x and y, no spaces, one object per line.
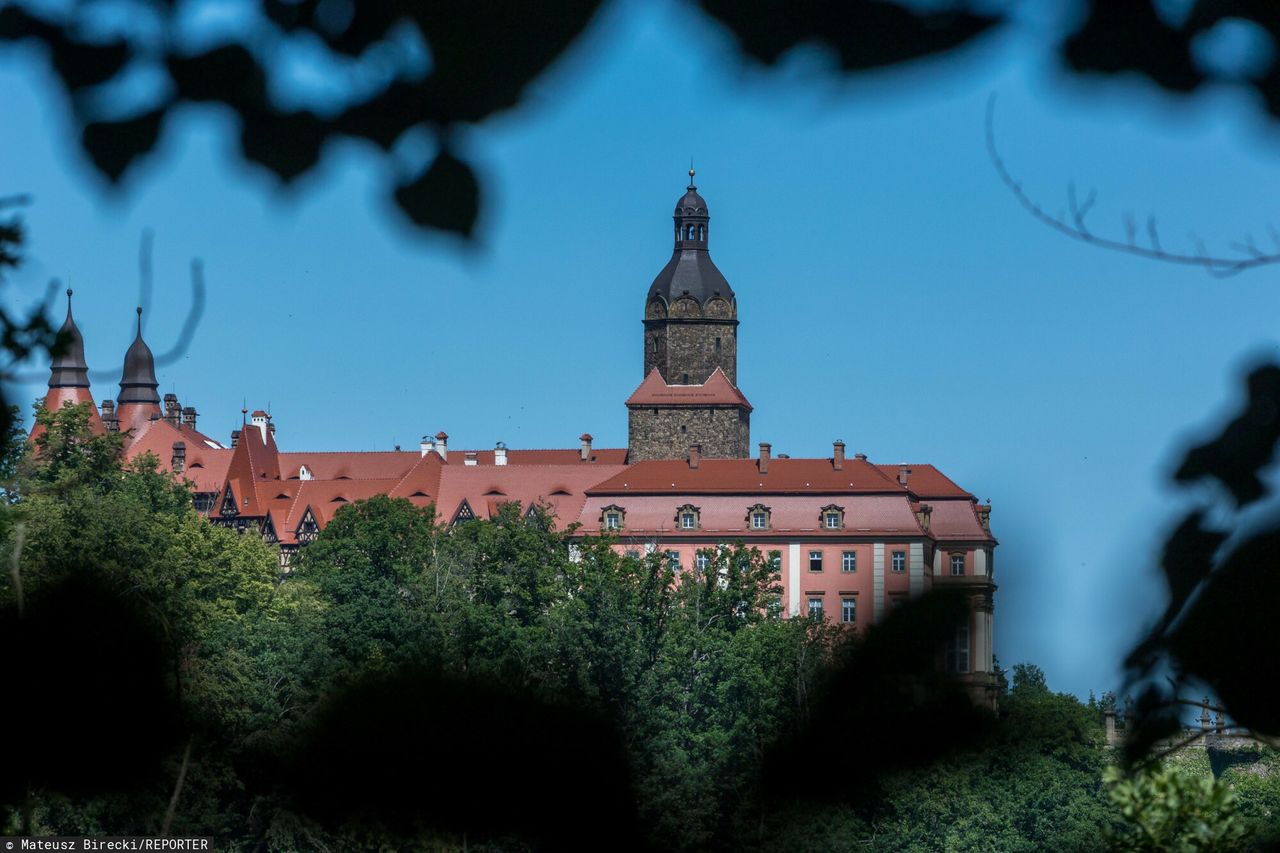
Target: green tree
{"x":1168,"y":809}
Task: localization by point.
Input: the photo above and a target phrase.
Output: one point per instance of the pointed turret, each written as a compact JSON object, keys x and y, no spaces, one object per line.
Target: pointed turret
{"x":138,"y":382}
{"x":139,"y":400}
{"x":69,"y":369}
{"x":69,"y":376}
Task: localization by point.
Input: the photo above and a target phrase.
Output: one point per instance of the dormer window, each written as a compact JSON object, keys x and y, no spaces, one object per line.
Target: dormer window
{"x":612,"y":517}
{"x":832,"y":517}
{"x":687,"y":517}
{"x":758,"y":517}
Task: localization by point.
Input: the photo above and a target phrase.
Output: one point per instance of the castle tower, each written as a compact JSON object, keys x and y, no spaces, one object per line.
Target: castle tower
{"x":691,"y":313}
{"x":139,"y":400}
{"x":69,"y":374}
{"x":689,"y":395}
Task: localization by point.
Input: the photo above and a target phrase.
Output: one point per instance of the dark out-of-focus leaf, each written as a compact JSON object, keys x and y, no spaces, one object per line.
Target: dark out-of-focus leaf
{"x":289,"y":144}
{"x":445,"y":196}
{"x":1129,"y":35}
{"x":17,"y":23}
{"x":889,"y":685}
{"x":89,"y":704}
{"x":1154,"y":719}
{"x":115,"y":145}
{"x":230,"y":74}
{"x":864,"y":33}
{"x":485,"y":54}
{"x":412,"y":749}
{"x":1188,"y":558}
{"x":1246,"y":445}
{"x":81,"y":64}
{"x":1228,"y":637}
{"x":383,"y":120}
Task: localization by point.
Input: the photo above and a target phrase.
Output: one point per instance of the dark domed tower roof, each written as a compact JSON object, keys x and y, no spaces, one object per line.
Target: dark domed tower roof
{"x":69,"y":368}
{"x":138,"y":383}
{"x":691,"y":271}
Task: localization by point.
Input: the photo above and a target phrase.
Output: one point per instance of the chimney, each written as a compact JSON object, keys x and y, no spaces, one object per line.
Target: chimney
{"x":984,"y":516}
{"x":189,"y":416}
{"x":903,"y":473}
{"x":427,"y":445}
{"x":178,"y":461}
{"x":695,"y":456}
{"x":861,"y":457}
{"x":924,"y":515}
{"x":109,"y":418}
{"x":235,"y":437}
{"x":442,"y":445}
{"x":172,"y":411}
{"x":259,"y":419}
{"x":765,"y":449}
{"x":584,"y":453}
{"x":500,"y":454}
{"x":1204,"y":715}
{"x":837,"y":455}
{"x":470,"y":458}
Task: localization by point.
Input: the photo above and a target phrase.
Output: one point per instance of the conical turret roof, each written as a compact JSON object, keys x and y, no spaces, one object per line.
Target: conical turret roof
{"x":69,"y":369}
{"x":138,"y":382}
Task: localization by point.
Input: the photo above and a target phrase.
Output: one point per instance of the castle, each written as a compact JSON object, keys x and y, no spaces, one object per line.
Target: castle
{"x":850,"y":538}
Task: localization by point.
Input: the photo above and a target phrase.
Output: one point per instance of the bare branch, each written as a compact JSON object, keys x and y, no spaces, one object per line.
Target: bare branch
{"x":1218,"y":267}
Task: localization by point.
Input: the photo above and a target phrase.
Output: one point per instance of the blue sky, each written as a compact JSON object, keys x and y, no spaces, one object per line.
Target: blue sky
{"x":892,"y":293}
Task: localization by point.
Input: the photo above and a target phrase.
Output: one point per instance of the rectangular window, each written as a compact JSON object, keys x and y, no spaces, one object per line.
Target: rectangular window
{"x":849,"y":561}
{"x":701,"y":561}
{"x":633,"y":554}
{"x":612,"y":521}
{"x":758,"y":521}
{"x":957,"y":565}
{"x":815,"y":607}
{"x":848,"y":610}
{"x":673,"y":558}
{"x":688,"y":521}
{"x":833,"y":521}
{"x":775,"y":560}
{"x":899,"y":561}
{"x":815,"y":561}
{"x":957,"y":651}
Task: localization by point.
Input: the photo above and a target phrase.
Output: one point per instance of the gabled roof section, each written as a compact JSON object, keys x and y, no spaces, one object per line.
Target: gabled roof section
{"x":716,"y":391}
{"x":926,"y":481}
{"x":359,"y":465}
{"x":743,"y":477}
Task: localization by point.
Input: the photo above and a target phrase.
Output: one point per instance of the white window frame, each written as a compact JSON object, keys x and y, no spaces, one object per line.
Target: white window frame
{"x":831,"y":519}
{"x":688,"y":520}
{"x":899,"y":561}
{"x":957,"y":561}
{"x":812,"y":554}
{"x":848,"y":608}
{"x":849,"y":561}
{"x":815,"y":608}
{"x":759,"y":520}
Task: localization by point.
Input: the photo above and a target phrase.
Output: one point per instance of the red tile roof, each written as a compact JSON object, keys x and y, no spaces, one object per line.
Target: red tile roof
{"x":717,"y":391}
{"x":564,"y":487}
{"x":358,"y":465}
{"x":59,"y":397}
{"x":206,"y":460}
{"x":743,"y":477}
{"x":926,"y":481}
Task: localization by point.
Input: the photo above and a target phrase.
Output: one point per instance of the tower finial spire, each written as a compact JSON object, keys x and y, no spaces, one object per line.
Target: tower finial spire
{"x":139,"y":321}
{"x":692,"y":185}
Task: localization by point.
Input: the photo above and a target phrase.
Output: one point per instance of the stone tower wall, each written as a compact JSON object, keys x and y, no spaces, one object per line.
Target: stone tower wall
{"x":667,"y":432}
{"x":690,"y":348}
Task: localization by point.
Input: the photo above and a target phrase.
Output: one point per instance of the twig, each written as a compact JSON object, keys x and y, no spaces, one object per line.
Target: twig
{"x":1077,"y":230}
{"x":177,"y":790}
